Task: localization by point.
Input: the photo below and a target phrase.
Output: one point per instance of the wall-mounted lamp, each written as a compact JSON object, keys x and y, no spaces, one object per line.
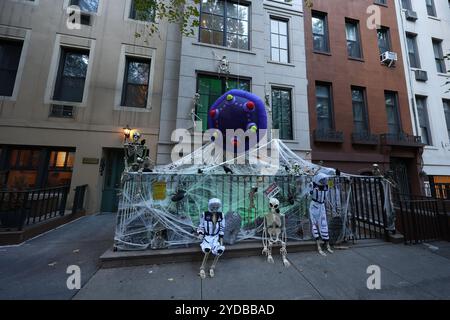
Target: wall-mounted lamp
{"x":127,"y":132}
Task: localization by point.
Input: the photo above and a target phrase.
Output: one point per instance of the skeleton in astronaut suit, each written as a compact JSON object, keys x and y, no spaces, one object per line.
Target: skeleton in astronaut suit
{"x":317,"y":212}
{"x":211,"y":231}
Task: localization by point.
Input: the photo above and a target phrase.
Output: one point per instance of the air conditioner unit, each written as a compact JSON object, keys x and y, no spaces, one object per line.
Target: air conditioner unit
{"x":388,"y":58}
{"x":411,"y":15}
{"x":421,"y":75}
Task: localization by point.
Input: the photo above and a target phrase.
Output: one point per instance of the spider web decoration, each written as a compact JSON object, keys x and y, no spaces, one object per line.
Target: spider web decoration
{"x":162,"y":209}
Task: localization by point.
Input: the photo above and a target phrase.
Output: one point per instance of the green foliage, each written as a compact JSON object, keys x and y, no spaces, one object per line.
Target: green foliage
{"x":183,"y":12}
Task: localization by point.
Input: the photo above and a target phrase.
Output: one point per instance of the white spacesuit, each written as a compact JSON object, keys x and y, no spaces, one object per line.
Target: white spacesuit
{"x":211,"y":231}
{"x":317,"y":211}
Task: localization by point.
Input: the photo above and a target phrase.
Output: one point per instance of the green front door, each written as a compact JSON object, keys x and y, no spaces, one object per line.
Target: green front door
{"x":114,"y":166}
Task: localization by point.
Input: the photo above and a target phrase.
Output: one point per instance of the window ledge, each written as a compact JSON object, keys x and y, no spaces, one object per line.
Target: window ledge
{"x":132,"y":109}
{"x":223,"y":48}
{"x":281,"y":63}
{"x":430,"y":148}
{"x":446,"y":75}
{"x":7,"y":98}
{"x":68,"y":103}
{"x":322,"y":52}
{"x":142,"y":22}
{"x":356,"y":59}
{"x":434,"y":18}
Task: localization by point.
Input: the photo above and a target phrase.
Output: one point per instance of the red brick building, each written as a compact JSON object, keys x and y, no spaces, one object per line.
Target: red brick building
{"x":358,"y":103}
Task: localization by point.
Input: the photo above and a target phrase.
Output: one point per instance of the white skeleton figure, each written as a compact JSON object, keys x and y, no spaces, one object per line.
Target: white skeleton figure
{"x":274,"y":232}
{"x":317,"y":211}
{"x":211,"y":231}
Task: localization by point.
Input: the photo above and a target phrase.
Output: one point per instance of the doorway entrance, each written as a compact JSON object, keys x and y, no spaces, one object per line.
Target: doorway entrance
{"x":399,"y":168}
{"x":114,"y":166}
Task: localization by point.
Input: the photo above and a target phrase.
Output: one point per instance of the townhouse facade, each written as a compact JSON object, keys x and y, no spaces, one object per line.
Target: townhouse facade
{"x":66,"y":94}
{"x":358,"y":99}
{"x":425,"y":37}
{"x":262,"y":43}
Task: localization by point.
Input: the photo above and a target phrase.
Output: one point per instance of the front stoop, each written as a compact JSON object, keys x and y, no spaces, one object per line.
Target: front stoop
{"x":17,"y":237}
{"x":396,"y":238}
{"x":119,"y":259}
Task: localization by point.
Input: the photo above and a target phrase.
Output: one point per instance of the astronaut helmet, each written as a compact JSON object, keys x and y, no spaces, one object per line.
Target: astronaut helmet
{"x":214,"y":205}
{"x":274,"y":205}
{"x":321,"y":179}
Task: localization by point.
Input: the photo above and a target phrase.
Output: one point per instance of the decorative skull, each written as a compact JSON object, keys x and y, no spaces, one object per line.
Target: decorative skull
{"x":274,"y":205}
{"x":136,"y":137}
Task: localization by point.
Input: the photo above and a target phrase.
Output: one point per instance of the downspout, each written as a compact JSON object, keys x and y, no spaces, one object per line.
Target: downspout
{"x":408,"y":70}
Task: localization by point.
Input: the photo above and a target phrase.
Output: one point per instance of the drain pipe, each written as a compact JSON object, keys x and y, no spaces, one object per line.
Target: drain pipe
{"x":405,"y":44}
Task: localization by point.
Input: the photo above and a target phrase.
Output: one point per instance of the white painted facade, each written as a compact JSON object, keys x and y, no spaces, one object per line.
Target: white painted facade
{"x":254,"y":64}
{"x":436,"y":156}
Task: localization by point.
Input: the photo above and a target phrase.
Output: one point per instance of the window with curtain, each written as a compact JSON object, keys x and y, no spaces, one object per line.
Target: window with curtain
{"x":447,"y":115}
{"x":282,"y":112}
{"x":431,"y":8}
{"x":422,"y":113}
{"x":384,"y":41}
{"x":360,"y":121}
{"x":353,"y":39}
{"x":320,"y":32}
{"x":71,"y":75}
{"x":211,"y":88}
{"x":413,"y":53}
{"x":225,"y":23}
{"x":439,"y":56}
{"x":324,"y":107}
{"x":392,"y":112}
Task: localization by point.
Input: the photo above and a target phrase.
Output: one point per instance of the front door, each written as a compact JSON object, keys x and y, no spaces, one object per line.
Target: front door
{"x":399,"y":168}
{"x":114,"y":166}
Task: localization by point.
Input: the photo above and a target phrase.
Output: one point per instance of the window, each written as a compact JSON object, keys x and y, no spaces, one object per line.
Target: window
{"x":383,"y":2}
{"x":23,"y":165}
{"x":406,"y":4}
{"x":10,"y":52}
{"x":135,"y":84}
{"x":393,"y":116}
{"x":86,"y":5}
{"x":211,"y":88}
{"x":353,"y":39}
{"x":447,"y":115}
{"x":324,"y":107}
{"x":224,"y":23}
{"x":360,"y":120}
{"x":71,"y":76}
{"x":320,"y":32}
{"x":384,"y":39}
{"x":143,"y":15}
{"x":431,"y":9}
{"x":439,"y":56}
{"x":279,"y":40}
{"x":422,"y":112}
{"x":413,"y":53}
{"x":60,"y":168}
{"x":282,"y":112}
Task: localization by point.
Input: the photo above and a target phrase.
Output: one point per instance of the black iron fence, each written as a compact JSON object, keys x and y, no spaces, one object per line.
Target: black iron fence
{"x":422,"y":219}
{"x":23,"y":208}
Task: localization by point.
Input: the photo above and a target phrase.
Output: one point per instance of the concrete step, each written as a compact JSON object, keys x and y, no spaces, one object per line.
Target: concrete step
{"x":120,"y":259}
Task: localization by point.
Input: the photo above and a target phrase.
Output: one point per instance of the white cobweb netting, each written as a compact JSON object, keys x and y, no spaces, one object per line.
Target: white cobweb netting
{"x":162,"y":209}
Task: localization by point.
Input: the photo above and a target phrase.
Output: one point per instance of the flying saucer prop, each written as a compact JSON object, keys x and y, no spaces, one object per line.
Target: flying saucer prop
{"x":238,"y":109}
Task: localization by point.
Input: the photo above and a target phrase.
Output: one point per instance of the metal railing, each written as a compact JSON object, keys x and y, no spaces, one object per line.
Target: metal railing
{"x":366,"y":138}
{"x":423,"y":219}
{"x":328,"y":136}
{"x":401,"y":139}
{"x":24,"y":208}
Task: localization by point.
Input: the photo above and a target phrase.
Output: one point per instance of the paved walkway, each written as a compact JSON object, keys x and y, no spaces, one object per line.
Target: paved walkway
{"x":407,"y":272}
{"x":37,"y":270}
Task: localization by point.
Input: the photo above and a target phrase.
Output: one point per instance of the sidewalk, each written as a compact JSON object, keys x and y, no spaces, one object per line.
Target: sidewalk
{"x":37,"y":270}
{"x":407,"y":272}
